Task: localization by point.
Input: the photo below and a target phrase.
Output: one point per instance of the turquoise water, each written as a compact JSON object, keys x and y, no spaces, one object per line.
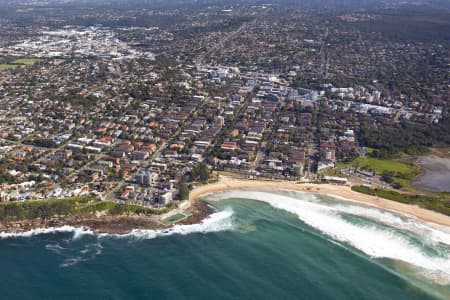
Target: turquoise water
{"x":248,"y":250}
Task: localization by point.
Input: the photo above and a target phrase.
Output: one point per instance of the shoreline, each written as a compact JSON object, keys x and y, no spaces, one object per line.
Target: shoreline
{"x":107,"y":224}
{"x":342,"y":192}
{"x":199,"y":210}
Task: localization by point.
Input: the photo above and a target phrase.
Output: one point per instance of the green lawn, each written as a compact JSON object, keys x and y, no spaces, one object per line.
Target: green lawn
{"x":4,"y":67}
{"x":381,"y":165}
{"x":19,"y":62}
{"x":402,"y":173}
{"x":27,"y":61}
{"x":369,"y":150}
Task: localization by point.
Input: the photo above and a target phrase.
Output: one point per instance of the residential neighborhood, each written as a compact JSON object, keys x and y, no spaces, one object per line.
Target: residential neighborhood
{"x":129,"y":113}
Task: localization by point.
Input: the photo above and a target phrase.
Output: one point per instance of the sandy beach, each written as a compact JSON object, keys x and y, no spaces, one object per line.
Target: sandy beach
{"x":337,"y":191}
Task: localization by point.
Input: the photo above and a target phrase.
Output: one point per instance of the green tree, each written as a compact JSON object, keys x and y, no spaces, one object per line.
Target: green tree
{"x":184,"y":191}
{"x":201,"y":172}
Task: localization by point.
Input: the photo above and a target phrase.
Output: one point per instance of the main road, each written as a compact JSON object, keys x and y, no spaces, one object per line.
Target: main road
{"x":202,"y":58}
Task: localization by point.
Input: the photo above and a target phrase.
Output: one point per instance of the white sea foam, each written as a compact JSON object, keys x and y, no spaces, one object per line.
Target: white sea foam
{"x":75,"y":256}
{"x":219,"y":221}
{"x":375,"y":241}
{"x":77,"y":232}
{"x":55,"y":247}
{"x":72,"y":261}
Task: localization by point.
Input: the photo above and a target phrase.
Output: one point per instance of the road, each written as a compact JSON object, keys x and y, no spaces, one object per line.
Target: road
{"x":323,"y":56}
{"x":110,"y":195}
{"x":48,"y":152}
{"x":202,"y":59}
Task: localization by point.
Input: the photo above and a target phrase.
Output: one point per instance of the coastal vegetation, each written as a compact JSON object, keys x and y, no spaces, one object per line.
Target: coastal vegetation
{"x":200,"y":172}
{"x":411,"y":138}
{"x":397,"y":173}
{"x":82,"y":206}
{"x":438,"y":202}
{"x":183,"y":191}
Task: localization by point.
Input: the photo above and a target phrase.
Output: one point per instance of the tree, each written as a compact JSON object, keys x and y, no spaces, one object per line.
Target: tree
{"x":201,"y":172}
{"x":388,"y":176}
{"x":184,"y":191}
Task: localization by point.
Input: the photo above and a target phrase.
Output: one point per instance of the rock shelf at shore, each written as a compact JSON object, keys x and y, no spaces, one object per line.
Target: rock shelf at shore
{"x":101,"y":223}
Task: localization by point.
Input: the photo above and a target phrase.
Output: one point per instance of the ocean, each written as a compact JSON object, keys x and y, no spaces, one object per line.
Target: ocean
{"x":285,"y":245}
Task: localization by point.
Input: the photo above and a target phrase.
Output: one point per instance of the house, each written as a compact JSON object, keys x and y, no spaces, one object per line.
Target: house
{"x":228,"y":146}
{"x":167,"y":197}
{"x":140,"y":155}
{"x":147,"y":178}
{"x":328,"y":151}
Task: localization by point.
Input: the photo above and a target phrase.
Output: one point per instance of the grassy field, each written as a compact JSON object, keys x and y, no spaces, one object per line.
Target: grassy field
{"x":26,"y":61}
{"x":381,"y":165}
{"x":402,"y":173}
{"x":4,"y":67}
{"x":19,"y":62}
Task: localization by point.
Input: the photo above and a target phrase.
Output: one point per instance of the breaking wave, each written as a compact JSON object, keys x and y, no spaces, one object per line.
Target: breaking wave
{"x":219,"y":221}
{"x":75,"y":256}
{"x":77,"y":232}
{"x":376,"y":232}
{"x":72,"y":254}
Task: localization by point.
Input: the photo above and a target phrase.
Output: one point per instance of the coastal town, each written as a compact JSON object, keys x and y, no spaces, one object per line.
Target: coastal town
{"x":225,"y":149}
{"x":139,"y":114}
